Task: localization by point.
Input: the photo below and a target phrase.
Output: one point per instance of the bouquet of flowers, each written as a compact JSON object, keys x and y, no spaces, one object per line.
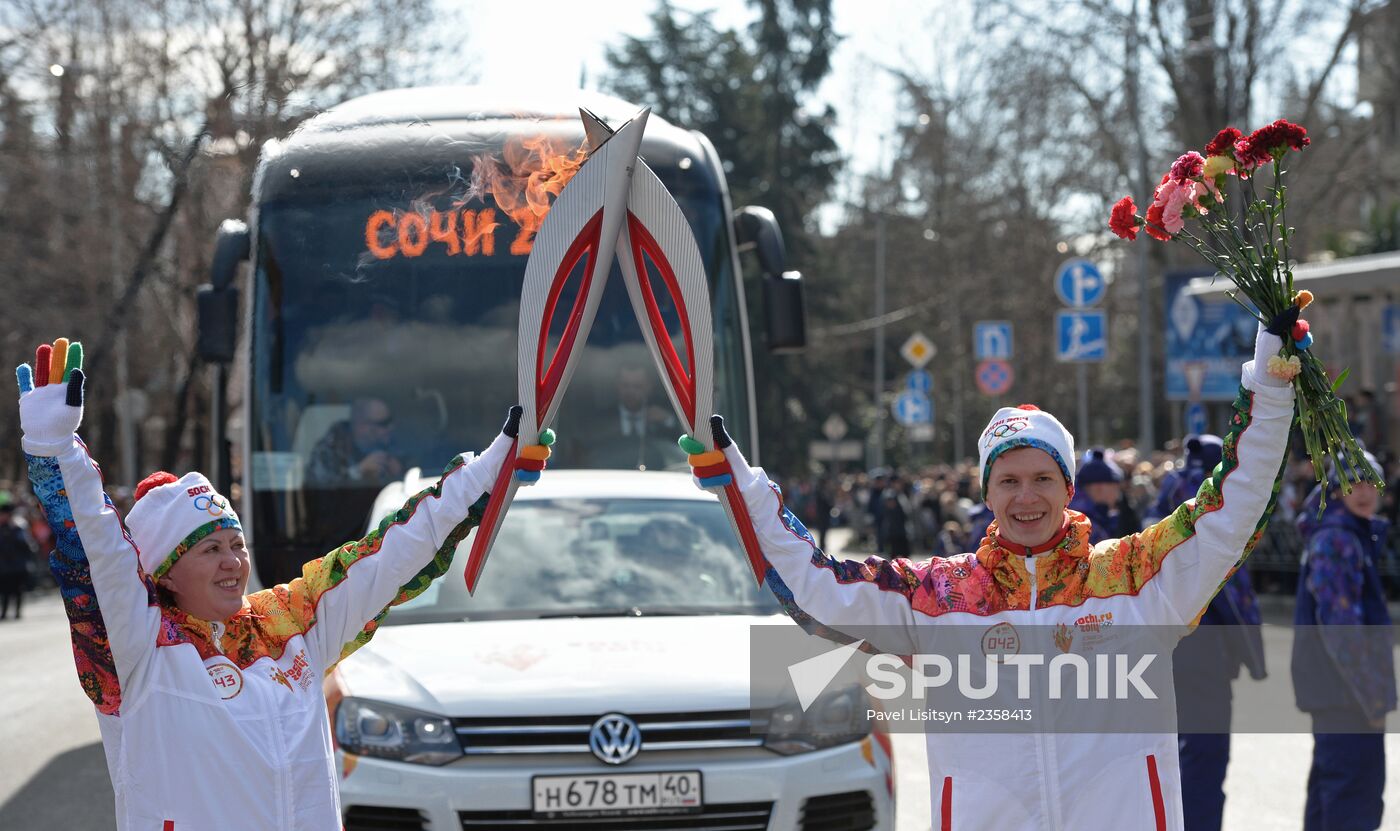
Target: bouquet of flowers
{"x":1250,"y":246}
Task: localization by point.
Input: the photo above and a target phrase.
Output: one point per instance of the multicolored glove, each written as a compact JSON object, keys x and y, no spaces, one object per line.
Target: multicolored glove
{"x":714,"y":469}
{"x":51,"y":397}
{"x":531,"y":460}
{"x":1271,"y":367}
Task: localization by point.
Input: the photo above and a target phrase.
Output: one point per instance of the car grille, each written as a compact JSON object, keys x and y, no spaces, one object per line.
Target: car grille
{"x":854,"y":811}
{"x":715,"y":730}
{"x":374,"y":818}
{"x":741,"y":816}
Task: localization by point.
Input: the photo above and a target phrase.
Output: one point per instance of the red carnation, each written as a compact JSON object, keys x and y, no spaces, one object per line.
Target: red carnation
{"x":1277,"y":138}
{"x":1188,"y":166}
{"x":1123,"y":220}
{"x":1153,"y":226}
{"x":1224,"y":142}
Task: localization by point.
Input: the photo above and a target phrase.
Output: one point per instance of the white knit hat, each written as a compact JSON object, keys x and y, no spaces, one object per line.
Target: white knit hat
{"x":1025,"y":426}
{"x":171,"y":515}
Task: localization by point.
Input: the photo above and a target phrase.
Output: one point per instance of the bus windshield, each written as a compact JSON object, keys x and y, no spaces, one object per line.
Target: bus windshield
{"x":384,"y":329}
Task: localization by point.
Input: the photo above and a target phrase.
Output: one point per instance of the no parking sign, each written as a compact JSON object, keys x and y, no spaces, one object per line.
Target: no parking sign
{"x":994,"y":377}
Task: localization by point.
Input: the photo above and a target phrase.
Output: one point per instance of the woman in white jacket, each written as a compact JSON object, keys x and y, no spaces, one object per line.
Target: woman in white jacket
{"x":210,"y":701}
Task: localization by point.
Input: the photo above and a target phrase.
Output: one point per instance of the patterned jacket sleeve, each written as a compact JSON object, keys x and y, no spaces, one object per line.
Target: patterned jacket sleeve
{"x":1335,"y":579}
{"x":111,"y":604}
{"x":340,"y":598}
{"x":840,"y":600}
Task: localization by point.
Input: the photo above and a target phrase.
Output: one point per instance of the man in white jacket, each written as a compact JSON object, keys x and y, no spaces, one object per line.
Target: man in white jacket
{"x":209,"y":701}
{"x":1036,"y":568}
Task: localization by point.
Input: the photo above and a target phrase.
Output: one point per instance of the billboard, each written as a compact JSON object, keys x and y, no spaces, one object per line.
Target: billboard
{"x":1207,"y":340}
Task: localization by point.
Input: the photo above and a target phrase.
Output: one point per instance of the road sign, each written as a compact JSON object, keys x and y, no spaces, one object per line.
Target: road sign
{"x":918,"y":350}
{"x":992,"y":339}
{"x":994,"y":377}
{"x":834,"y":428}
{"x":1206,"y":341}
{"x":1079,"y":283}
{"x":1391,"y":329}
{"x":1196,"y":418}
{"x":919,"y":380}
{"x":849,"y":450}
{"x":1081,"y":335}
{"x":912,"y":408}
{"x":921,"y":432}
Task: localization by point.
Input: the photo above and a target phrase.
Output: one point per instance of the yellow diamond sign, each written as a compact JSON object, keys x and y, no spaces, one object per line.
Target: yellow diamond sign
{"x":918,"y":350}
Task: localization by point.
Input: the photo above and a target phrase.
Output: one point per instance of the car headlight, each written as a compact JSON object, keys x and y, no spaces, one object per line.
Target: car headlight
{"x":838,"y":717}
{"x":373,"y":728}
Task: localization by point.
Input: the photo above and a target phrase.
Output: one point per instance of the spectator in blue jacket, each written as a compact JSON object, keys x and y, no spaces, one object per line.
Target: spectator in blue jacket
{"x":1343,"y":667}
{"x":1098,"y":494}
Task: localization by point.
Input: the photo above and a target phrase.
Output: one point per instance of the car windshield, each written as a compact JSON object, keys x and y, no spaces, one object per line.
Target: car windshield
{"x":600,"y":557}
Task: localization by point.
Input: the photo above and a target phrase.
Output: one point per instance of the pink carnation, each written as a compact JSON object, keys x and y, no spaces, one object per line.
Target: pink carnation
{"x":1189,"y":166}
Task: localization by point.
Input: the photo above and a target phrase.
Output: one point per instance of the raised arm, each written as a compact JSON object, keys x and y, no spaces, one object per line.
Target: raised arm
{"x":341,"y":597}
{"x":840,"y":600}
{"x":1184,"y":559}
{"x":110,"y":602}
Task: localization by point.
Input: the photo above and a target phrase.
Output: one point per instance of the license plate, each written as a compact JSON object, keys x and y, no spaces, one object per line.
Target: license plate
{"x":618,"y":794}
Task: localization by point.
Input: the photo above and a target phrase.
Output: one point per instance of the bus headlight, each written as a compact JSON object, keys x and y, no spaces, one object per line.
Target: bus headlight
{"x":838,"y":717}
{"x":388,"y":731}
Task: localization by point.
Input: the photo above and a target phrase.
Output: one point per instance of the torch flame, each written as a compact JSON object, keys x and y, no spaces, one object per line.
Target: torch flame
{"x":525,"y":181}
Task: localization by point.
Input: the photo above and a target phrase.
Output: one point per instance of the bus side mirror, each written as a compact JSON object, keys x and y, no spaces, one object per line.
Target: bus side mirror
{"x":217,"y":301}
{"x":230,"y":249}
{"x":784,"y":311}
{"x":758,"y":230}
{"x":218,"y":323}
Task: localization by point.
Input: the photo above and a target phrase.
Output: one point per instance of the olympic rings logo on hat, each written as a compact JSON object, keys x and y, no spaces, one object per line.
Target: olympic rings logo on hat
{"x":1005,"y":429}
{"x":214,"y":507}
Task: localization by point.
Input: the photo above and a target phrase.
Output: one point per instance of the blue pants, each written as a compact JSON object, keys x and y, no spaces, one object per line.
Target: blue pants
{"x":1204,"y":757}
{"x":1346,"y":782}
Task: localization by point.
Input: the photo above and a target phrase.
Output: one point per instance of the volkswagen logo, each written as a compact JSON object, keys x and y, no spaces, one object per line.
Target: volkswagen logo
{"x":615,"y":739}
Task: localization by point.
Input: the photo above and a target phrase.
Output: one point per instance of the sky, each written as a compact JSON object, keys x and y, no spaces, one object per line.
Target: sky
{"x":874,"y":33}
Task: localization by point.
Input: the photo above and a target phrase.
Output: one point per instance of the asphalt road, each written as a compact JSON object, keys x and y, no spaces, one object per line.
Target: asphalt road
{"x":53,"y":774}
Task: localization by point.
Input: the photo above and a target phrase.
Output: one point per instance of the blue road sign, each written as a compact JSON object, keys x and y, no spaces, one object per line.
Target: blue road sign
{"x":1196,"y":418}
{"x":1391,"y":329}
{"x":919,"y":380}
{"x":1079,"y":283}
{"x":1206,"y":341}
{"x":994,"y":377}
{"x":912,"y":408}
{"x":992,"y":339}
{"x":1081,"y":335}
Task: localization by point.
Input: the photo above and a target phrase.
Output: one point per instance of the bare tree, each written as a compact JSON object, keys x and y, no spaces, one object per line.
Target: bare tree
{"x":158,"y":110}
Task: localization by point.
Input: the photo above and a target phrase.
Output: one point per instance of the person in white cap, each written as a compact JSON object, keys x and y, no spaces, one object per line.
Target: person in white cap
{"x":209,"y":700}
{"x":1036,"y":568}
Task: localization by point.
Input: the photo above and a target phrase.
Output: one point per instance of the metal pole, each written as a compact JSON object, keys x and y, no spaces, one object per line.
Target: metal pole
{"x":959,"y":368}
{"x":1146,"y":440}
{"x":1082,"y":436}
{"x":879,"y":391}
{"x":218,"y":459}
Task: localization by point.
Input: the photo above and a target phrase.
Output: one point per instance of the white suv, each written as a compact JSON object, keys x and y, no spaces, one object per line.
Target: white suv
{"x":599,"y":679}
